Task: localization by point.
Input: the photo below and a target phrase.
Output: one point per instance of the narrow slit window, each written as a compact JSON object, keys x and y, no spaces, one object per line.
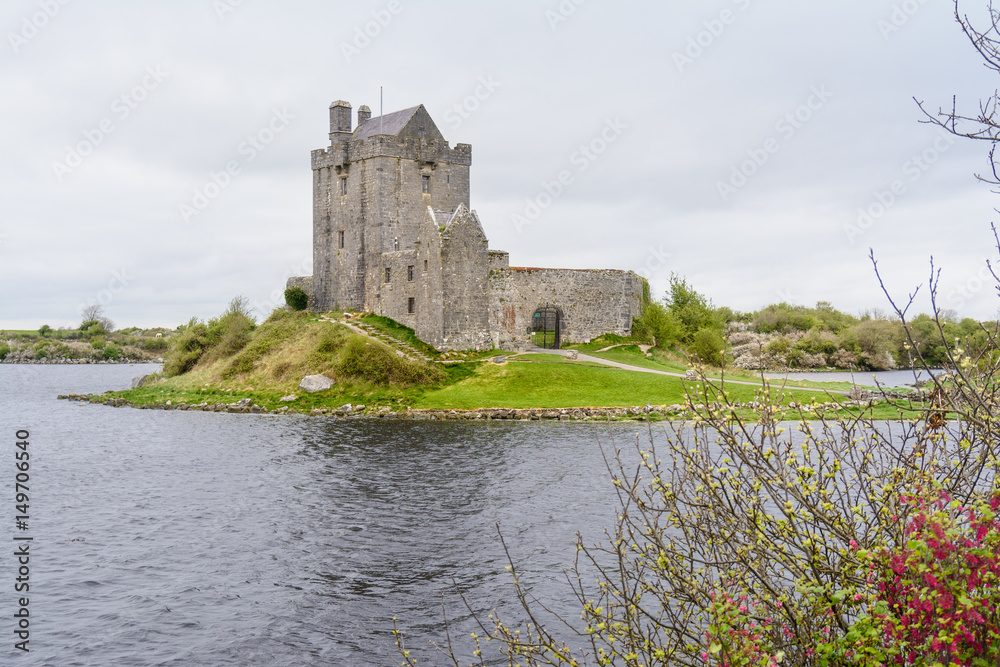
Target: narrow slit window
{"x":340,"y":239}
{"x":425,"y":265}
{"x":343,"y":186}
{"x":409,"y":273}
{"x":425,"y":184}
{"x":411,"y":305}
{"x":388,"y":274}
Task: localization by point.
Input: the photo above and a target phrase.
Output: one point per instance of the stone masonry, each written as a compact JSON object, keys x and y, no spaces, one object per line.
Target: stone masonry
{"x":393,"y":234}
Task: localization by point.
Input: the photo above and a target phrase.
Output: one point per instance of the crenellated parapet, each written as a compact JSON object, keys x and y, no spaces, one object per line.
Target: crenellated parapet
{"x":411,"y":148}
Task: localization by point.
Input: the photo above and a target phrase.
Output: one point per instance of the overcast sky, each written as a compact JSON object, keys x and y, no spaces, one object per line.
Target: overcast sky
{"x":734,"y":142}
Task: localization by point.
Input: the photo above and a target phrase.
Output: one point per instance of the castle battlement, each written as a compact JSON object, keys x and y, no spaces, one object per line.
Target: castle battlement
{"x":425,"y":152}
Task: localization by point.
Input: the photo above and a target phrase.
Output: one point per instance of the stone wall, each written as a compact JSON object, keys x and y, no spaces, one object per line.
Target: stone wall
{"x":464,"y":281}
{"x":591,"y":301}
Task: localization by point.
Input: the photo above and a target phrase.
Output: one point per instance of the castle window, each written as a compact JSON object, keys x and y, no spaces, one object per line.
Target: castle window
{"x":395,"y":244}
{"x":447,"y":179}
{"x":425,"y":184}
{"x":411,"y":304}
{"x":425,"y":265}
{"x":343,"y":186}
{"x":409,"y":273}
{"x":340,"y":239}
{"x":388,"y":274}
{"x":420,"y":133}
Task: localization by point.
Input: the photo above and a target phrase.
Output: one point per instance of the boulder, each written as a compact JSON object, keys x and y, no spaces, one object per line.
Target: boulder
{"x":314,"y":383}
{"x":285,"y":399}
{"x":140,"y":380}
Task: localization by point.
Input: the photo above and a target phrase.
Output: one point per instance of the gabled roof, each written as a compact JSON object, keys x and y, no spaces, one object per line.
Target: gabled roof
{"x":407,"y":121}
{"x":391,"y":123}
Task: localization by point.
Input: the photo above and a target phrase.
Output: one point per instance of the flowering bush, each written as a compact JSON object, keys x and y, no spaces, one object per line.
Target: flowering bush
{"x":942,"y":588}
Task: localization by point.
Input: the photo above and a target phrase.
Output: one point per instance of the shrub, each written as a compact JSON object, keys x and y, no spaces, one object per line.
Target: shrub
{"x":280,"y":326}
{"x":4,"y":350}
{"x":111,"y":352}
{"x":709,"y":345}
{"x":155,"y":344}
{"x":230,"y":332}
{"x":378,"y":364}
{"x":656,"y":325}
{"x":186,"y":348}
{"x":296,"y":298}
{"x":98,"y":342}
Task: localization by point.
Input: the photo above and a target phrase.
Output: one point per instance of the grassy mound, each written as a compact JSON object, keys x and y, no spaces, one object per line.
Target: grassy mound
{"x":291,"y":345}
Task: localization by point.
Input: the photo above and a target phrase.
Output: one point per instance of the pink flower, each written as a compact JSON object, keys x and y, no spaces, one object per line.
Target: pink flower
{"x":854,"y":545}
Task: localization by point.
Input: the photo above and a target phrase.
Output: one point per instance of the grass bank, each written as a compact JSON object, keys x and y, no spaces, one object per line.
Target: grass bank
{"x":288,"y":346}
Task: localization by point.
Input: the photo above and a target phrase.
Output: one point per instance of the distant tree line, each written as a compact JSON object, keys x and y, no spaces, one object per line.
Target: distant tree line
{"x":784,"y":335}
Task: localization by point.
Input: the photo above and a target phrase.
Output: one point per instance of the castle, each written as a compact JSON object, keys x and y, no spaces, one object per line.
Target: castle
{"x":393,"y":234}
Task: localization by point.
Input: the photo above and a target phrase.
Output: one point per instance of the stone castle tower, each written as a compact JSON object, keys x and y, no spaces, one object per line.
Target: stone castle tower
{"x":393,"y":234}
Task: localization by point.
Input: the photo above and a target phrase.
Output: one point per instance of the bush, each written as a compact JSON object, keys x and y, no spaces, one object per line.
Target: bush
{"x":155,"y":344}
{"x":230,"y":332}
{"x":378,"y":364}
{"x":98,"y":342}
{"x":709,"y":346}
{"x":111,"y":352}
{"x":296,"y":298}
{"x":280,"y":326}
{"x":186,"y":348}
{"x":4,"y":350}
{"x":656,"y":325}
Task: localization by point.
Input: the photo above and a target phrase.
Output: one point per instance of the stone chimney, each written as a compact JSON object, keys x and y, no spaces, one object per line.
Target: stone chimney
{"x":340,"y":121}
{"x":364,"y":113}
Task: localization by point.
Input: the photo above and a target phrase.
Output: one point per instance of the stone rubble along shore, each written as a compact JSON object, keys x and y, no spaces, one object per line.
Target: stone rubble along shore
{"x":10,"y":359}
{"x":637,"y":413}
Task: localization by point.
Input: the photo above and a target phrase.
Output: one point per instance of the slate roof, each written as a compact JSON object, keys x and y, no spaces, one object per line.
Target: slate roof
{"x":392,"y":123}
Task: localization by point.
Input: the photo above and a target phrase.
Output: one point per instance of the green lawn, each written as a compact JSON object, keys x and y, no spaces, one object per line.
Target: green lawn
{"x":562,"y":385}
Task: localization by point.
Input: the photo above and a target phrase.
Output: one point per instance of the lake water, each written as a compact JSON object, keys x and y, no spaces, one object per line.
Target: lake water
{"x":195,"y":538}
{"x":870,"y":379}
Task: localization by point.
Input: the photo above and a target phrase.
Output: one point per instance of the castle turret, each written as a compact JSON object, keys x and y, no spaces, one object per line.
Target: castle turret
{"x":364,"y":113}
{"x":340,"y":121}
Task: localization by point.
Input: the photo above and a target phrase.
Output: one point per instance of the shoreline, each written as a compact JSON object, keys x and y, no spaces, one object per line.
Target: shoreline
{"x":74,"y":362}
{"x":348,"y":411}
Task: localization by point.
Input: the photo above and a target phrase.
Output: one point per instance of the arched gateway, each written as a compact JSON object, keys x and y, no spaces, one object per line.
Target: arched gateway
{"x":545,"y":327}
